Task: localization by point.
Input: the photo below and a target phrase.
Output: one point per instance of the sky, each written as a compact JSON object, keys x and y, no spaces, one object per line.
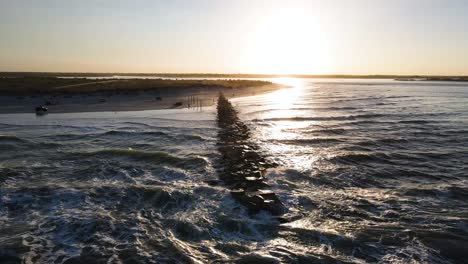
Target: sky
{"x":401,"y":37}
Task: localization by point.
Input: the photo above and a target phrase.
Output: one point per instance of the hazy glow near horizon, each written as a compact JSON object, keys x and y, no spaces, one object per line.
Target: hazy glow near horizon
{"x":236,"y":36}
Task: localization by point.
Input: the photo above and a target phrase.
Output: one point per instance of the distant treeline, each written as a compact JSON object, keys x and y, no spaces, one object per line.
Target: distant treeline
{"x":35,"y":85}
{"x":215,"y":75}
{"x":447,"y":79}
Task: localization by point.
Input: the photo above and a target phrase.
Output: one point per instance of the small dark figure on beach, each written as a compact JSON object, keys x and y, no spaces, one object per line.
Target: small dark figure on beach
{"x":41,"y":110}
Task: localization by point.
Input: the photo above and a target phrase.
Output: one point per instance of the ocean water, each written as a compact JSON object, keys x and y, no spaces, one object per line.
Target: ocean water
{"x":369,"y":171}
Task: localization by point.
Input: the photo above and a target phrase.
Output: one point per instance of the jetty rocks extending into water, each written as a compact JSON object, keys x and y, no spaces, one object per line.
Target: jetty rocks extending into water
{"x":244,"y":166}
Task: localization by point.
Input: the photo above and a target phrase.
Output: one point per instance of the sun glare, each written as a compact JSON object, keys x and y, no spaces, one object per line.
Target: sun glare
{"x":284,"y":99}
{"x":291,"y":82}
{"x":288,"y":41}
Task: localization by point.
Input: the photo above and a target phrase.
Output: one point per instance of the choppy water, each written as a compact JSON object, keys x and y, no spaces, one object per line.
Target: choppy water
{"x":372,"y":171}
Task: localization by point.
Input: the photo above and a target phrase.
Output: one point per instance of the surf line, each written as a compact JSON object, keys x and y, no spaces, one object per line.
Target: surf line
{"x":244,"y":167}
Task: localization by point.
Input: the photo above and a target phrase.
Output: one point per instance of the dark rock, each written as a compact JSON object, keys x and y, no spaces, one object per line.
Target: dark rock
{"x":267,"y":194}
{"x":238,"y":193}
{"x":274,"y":207}
{"x":251,"y":179}
{"x":244,"y":165}
{"x":213,"y":182}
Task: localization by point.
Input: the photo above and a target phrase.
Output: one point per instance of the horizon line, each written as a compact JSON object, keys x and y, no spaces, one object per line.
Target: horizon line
{"x":3,"y":73}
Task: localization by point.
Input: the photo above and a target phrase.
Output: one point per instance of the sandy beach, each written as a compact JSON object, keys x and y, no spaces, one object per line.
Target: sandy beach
{"x":126,"y":100}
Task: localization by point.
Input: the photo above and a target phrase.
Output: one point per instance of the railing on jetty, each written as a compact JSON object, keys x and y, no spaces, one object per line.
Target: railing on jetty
{"x":194,"y":102}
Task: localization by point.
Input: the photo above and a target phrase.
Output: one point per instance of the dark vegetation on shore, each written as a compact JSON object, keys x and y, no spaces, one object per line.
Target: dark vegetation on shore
{"x":237,"y":75}
{"x":52,"y":85}
{"x":446,"y":79}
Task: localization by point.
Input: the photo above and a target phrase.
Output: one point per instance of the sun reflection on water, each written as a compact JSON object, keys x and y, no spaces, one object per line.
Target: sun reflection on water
{"x":286,"y":98}
{"x":286,"y":103}
{"x":289,"y":81}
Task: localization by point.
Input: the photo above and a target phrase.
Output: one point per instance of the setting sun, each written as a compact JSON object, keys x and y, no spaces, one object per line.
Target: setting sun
{"x":288,"y":41}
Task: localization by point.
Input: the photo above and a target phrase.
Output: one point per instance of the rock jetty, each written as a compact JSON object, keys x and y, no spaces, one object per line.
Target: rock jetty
{"x":244,"y":167}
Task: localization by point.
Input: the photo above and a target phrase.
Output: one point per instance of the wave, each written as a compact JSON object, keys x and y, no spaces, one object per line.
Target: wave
{"x":359,"y":99}
{"x":366,"y":122}
{"x":159,"y":196}
{"x":435,"y":155}
{"x":456,"y":132}
{"x":336,"y":131}
{"x":157,"y":157}
{"x":354,"y":158}
{"x":42,"y":125}
{"x":328,"y":118}
{"x":132,"y":133}
{"x":11,"y":142}
{"x":139,"y":124}
{"x":194,"y":137}
{"x":415,"y":122}
{"x":304,"y":108}
{"x":306,"y":141}
{"x":454,"y":192}
{"x":175,"y":137}
{"x":10,"y":138}
{"x":382,"y":141}
{"x":69,"y":136}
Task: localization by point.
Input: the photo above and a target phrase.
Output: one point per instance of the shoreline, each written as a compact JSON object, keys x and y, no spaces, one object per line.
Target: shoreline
{"x":119,"y":101}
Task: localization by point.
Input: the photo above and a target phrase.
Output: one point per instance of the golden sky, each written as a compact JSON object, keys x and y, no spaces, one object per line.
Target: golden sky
{"x":238,"y":36}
